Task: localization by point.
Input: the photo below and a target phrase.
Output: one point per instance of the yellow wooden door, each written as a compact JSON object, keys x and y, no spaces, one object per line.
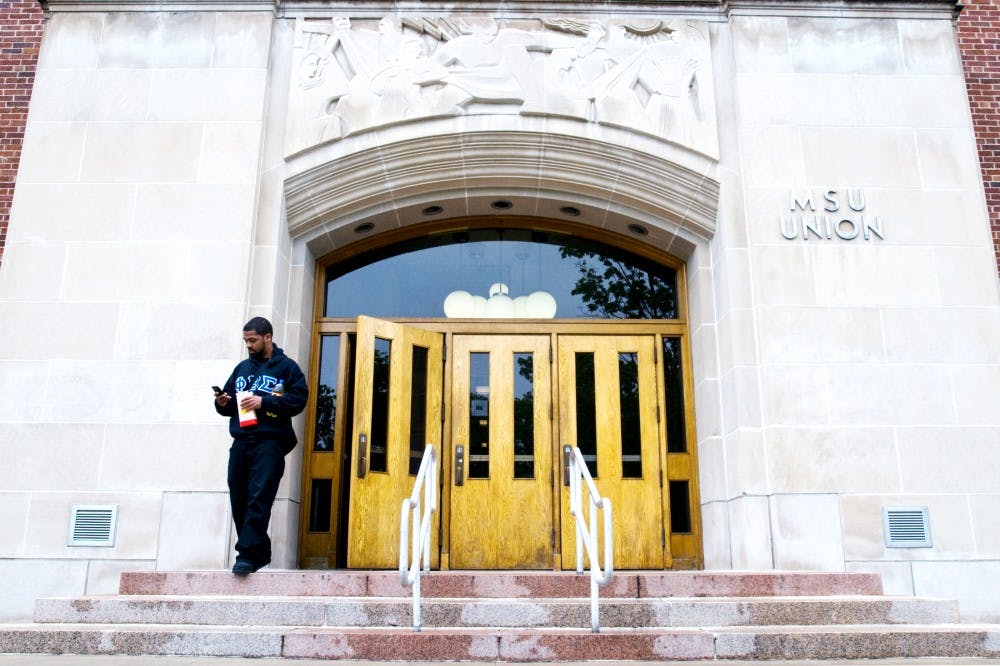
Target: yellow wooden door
{"x":397,"y":410}
{"x":608,"y":407}
{"x":501,"y":509}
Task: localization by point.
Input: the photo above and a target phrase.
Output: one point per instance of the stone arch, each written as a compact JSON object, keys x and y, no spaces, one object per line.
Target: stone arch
{"x":613,"y":181}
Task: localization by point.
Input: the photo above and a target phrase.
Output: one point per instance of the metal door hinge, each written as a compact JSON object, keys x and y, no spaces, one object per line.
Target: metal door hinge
{"x":567,"y":452}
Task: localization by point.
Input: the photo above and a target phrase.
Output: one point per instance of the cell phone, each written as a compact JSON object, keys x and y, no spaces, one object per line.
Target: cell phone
{"x":217,"y":390}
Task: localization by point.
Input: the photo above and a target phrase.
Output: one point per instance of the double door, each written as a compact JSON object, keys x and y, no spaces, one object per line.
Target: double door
{"x":500,"y":409}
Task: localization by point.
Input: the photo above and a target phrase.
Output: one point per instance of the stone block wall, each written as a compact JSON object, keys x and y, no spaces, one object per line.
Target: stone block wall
{"x":862,"y":381}
{"x":123,"y":290}
{"x":20,"y":37}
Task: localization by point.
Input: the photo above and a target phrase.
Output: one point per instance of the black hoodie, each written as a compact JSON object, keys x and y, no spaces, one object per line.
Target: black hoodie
{"x":276,"y":411}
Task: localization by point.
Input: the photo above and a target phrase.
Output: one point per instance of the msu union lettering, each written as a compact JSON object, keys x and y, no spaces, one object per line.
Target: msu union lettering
{"x":842,"y":216}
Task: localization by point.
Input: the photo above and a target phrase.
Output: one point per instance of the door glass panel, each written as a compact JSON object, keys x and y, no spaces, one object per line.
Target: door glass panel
{"x":680,"y":508}
{"x":479,"y":415}
{"x":326,"y":396}
{"x":673,"y":381}
{"x":524,"y":416}
{"x":418,"y":407}
{"x":628,"y":387}
{"x":380,"y":405}
{"x":586,"y":410}
{"x":319,"y":505}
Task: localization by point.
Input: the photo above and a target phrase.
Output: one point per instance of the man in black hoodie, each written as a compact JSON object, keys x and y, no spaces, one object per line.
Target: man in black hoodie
{"x":272,"y":390}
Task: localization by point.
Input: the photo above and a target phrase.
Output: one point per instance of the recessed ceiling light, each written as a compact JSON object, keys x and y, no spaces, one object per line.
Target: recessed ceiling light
{"x":502,"y":204}
{"x":572,"y":211}
{"x":638,"y":229}
{"x":364,"y":227}
{"x":432,"y":210}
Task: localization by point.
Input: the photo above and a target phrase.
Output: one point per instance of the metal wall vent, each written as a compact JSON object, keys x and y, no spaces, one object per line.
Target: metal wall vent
{"x":91,"y":525}
{"x":906,"y":527}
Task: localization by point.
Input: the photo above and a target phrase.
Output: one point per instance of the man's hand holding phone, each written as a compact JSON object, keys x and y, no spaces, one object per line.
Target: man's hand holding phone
{"x":221,"y":398}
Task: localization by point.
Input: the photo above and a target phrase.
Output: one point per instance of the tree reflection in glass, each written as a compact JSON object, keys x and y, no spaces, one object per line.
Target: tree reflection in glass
{"x":631,"y":433}
{"x":524,"y":416}
{"x":326,"y":417}
{"x":611,"y":287}
{"x":326,"y":394}
{"x":379,"y":453}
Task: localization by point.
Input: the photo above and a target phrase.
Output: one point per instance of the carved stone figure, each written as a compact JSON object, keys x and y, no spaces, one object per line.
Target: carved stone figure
{"x":353,"y":76}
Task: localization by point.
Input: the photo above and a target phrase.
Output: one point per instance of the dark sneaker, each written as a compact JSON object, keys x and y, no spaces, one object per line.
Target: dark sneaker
{"x":244,"y":567}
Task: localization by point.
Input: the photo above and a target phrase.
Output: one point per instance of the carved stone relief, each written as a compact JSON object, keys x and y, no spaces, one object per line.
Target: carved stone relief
{"x":354,"y":75}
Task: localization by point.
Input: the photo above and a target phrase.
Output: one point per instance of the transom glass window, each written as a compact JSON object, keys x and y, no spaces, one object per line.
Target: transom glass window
{"x":540,"y":274}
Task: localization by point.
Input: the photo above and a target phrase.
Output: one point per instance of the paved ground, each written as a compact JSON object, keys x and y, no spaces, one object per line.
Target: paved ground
{"x":78,"y":660}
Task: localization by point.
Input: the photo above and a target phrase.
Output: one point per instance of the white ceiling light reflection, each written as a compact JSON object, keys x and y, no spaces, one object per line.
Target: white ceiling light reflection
{"x":463,"y":305}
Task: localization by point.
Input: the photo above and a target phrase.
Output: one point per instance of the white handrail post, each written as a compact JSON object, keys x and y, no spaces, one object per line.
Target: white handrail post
{"x":595,"y":613}
{"x":579,"y":475}
{"x":430,"y":499}
{"x":575,"y":503}
{"x":417,"y":551}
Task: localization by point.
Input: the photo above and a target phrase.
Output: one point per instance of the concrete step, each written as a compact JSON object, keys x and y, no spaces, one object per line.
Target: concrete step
{"x":859,"y":642}
{"x":549,"y":584}
{"x":501,"y":612}
{"x":436,"y":644}
{"x":127,"y":639}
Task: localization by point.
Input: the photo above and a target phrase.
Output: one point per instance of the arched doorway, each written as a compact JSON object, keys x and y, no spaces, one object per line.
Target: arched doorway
{"x":500,"y":385}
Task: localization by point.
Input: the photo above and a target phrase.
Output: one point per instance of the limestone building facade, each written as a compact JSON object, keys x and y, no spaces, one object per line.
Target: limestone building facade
{"x":770,"y":216}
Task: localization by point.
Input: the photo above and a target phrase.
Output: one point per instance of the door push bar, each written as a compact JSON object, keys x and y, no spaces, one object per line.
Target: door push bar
{"x":362,"y":455}
{"x":459,"y":465}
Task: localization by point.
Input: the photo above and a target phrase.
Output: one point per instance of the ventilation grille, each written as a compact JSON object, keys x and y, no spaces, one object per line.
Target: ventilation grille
{"x":907,"y":527}
{"x":93,"y":525}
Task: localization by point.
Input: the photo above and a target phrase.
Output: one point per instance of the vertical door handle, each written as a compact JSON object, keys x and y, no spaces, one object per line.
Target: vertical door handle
{"x":362,"y":455}
{"x":459,"y":465}
{"x":567,"y":452}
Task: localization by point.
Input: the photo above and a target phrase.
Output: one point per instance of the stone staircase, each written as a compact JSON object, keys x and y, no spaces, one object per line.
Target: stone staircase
{"x":504,"y":616}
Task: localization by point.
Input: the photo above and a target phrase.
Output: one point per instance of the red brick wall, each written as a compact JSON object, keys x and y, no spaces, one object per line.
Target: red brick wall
{"x":20,"y":37}
{"x":979,"y":41}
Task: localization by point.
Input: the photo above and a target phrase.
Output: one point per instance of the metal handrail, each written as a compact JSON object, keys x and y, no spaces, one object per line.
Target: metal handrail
{"x":598,"y":575}
{"x":419,"y":548}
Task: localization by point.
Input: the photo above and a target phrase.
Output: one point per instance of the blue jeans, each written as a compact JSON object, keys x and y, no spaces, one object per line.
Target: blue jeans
{"x":255,"y":468}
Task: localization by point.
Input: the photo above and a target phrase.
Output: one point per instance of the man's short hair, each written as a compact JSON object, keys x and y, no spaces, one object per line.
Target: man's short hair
{"x":260,"y":326}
